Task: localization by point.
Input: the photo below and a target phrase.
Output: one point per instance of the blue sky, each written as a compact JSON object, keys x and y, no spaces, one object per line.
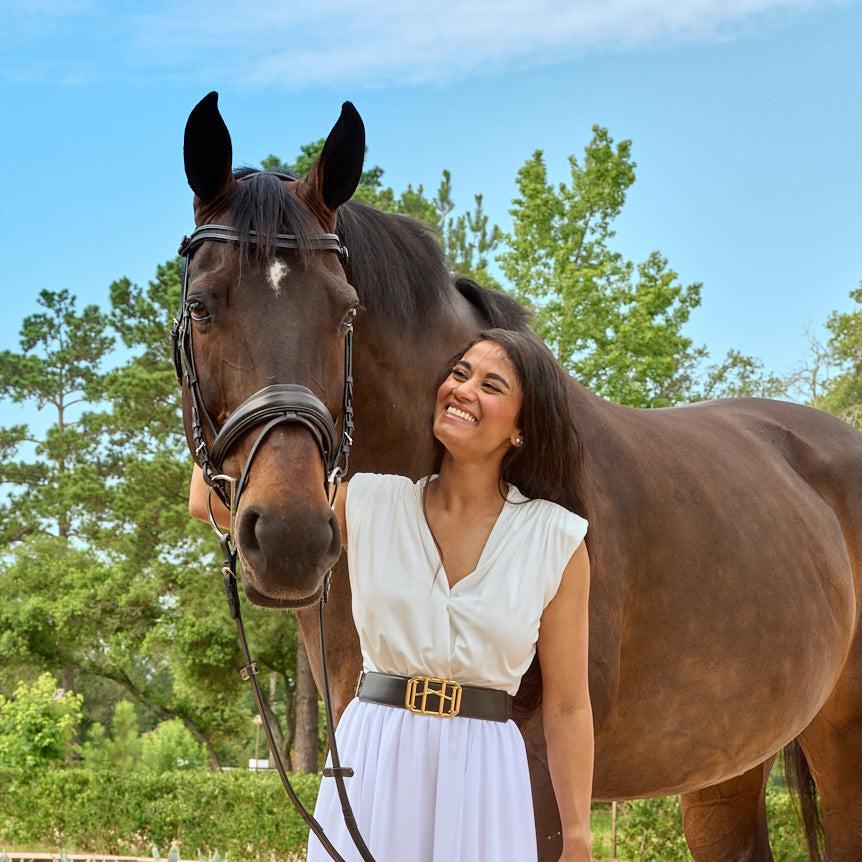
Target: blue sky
{"x":744,"y":117}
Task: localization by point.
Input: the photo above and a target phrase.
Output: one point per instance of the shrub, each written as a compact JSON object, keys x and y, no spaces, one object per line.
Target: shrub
{"x":38,"y":724}
{"x":650,"y":830}
{"x":170,"y":745}
{"x":244,"y":815}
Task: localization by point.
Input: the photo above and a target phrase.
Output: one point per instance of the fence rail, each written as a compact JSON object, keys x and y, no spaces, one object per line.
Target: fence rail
{"x":12,"y":856}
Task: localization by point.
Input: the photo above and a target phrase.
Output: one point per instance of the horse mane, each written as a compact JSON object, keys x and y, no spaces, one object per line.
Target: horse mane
{"x":396,"y":263}
{"x":500,"y":310}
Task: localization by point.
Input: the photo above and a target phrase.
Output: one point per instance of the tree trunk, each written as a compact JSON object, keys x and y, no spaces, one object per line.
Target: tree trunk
{"x":306,"y":713}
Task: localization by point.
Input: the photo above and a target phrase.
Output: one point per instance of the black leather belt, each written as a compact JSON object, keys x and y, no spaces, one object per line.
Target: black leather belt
{"x":430,"y":695}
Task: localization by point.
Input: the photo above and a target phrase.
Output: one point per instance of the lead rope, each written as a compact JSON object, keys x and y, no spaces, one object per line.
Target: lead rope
{"x":250,"y":671}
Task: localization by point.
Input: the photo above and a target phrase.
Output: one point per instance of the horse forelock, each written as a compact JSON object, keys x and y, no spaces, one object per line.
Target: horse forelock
{"x":259,"y":201}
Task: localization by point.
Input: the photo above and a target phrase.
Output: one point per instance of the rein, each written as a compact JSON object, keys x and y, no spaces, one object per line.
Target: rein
{"x":271,"y":406}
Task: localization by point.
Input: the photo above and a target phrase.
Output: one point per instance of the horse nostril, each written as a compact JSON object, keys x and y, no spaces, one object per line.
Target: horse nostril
{"x":335,"y":545}
{"x":248,"y":532}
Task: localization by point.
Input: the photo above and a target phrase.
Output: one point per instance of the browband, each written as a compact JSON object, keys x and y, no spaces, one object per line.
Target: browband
{"x":223,"y":233}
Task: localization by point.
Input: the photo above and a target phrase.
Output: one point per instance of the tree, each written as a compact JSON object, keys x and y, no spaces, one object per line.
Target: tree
{"x":170,"y":746}
{"x":614,"y":326}
{"x":58,"y":368}
{"x":740,"y":376}
{"x":122,"y":749}
{"x":105,"y":564}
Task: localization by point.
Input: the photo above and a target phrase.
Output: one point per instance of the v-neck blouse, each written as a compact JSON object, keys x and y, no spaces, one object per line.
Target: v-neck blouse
{"x":481,"y":631}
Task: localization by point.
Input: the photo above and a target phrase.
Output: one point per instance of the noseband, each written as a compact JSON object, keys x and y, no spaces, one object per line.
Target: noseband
{"x":269,"y":407}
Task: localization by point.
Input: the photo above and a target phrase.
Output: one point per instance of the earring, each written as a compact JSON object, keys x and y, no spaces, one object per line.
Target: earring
{"x":519,"y":441}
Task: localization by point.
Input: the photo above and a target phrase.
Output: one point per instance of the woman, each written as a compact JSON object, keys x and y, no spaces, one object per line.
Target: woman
{"x":461,"y":576}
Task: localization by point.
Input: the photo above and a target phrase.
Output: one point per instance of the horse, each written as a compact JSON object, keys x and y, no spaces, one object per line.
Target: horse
{"x":725,"y":537}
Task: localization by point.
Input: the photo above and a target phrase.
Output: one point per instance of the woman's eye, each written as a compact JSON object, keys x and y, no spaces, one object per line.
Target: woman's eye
{"x":493,"y":388}
{"x":458,"y":374}
{"x":198,"y":311}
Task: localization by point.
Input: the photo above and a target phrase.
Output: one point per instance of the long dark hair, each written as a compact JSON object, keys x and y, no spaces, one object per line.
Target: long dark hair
{"x":548,"y":464}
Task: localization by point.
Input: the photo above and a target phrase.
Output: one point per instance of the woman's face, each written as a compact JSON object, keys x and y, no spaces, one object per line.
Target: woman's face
{"x":477,"y":406}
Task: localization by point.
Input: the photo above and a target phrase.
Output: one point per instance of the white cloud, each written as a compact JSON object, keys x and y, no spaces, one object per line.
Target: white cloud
{"x":331,"y":42}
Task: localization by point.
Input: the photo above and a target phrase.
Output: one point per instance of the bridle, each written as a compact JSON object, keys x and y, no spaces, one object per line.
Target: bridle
{"x":271,"y":406}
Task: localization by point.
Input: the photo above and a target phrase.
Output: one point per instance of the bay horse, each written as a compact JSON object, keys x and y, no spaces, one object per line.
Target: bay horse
{"x":725,"y":536}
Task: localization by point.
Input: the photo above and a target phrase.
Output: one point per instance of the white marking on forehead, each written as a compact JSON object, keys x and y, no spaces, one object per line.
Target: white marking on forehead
{"x":278,"y":269}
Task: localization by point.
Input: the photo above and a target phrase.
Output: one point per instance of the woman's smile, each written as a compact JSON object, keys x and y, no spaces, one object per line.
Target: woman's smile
{"x":458,"y":414}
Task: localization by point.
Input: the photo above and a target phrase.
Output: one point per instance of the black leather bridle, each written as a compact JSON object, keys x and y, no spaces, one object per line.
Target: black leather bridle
{"x":269,"y":407}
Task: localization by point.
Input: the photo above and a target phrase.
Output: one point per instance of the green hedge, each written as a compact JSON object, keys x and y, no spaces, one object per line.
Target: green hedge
{"x":243,"y":815}
{"x":247,"y":816}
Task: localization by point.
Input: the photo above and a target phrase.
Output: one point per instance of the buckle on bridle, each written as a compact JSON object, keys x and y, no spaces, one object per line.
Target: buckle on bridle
{"x":420,"y":688}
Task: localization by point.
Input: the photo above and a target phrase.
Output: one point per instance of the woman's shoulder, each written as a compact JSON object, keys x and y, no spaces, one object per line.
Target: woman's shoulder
{"x":372,"y":499}
{"x":558,"y":516}
{"x":377,"y":485}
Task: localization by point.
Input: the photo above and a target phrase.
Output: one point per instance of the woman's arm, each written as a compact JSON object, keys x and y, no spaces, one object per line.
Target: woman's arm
{"x":566,"y":711}
{"x":198,"y":491}
{"x":198,"y":504}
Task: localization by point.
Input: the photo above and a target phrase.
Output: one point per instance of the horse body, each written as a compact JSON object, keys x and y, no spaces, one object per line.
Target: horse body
{"x":712,"y":555}
{"x":725,"y":537}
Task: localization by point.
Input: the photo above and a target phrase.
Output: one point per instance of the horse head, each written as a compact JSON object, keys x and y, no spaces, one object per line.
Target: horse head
{"x":259,"y":315}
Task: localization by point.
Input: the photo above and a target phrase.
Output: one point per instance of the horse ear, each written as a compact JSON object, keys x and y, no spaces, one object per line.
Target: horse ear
{"x":336,"y":172}
{"x":207,"y":150}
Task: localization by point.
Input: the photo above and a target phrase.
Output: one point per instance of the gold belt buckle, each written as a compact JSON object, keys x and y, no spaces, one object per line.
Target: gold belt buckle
{"x":447,"y":692}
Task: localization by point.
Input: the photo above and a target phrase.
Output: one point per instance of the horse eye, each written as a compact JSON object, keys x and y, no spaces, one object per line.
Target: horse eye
{"x":198,"y":311}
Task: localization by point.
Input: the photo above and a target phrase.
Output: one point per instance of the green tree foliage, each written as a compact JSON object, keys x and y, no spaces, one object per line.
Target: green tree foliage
{"x":94,"y":751}
{"x":843,"y":394}
{"x":112,"y":590}
{"x":38,"y":724}
{"x":615,"y":326}
{"x":122,"y":749}
{"x":170,"y":746}
{"x":58,"y":603}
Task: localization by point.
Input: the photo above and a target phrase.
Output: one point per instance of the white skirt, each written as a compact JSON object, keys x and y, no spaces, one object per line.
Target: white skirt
{"x":428,"y":789}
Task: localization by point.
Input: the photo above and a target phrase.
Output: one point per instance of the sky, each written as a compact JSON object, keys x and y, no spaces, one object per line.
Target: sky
{"x":744,"y":116}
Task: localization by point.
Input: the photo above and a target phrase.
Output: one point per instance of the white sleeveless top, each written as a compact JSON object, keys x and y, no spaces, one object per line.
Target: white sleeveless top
{"x":482,"y":631}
